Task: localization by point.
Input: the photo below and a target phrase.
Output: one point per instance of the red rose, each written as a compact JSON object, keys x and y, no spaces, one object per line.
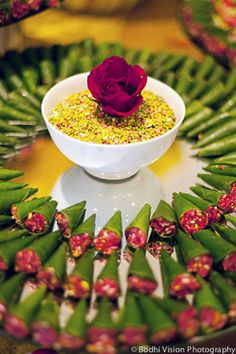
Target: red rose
{"x":117,"y":86}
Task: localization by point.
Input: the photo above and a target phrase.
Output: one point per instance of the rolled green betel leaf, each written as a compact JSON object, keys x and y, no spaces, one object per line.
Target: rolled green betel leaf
{"x":69,"y":218}
{"x":217,"y":74}
{"x":45,"y":245}
{"x":219,"y":147}
{"x":9,"y":235}
{"x":221,"y":169}
{"x":229,"y":103}
{"x":219,"y":182}
{"x":130,"y":314}
{"x":230,"y":82}
{"x":115,"y":223}
{"x":7,"y":186}
{"x":169,"y":270}
{"x":169,"y":79}
{"x":165,"y":211}
{"x":27,"y":309}
{"x":205,"y":297}
{"x":199,"y":88}
{"x":45,"y":211}
{"x":193,"y":107}
{"x":8,"y":140}
{"x":229,"y":159}
{"x":184,"y":84}
{"x":171,"y":306}
{"x":9,"y":249}
{"x":199,"y":202}
{"x":189,"y":66}
{"x":140,"y":266}
{"x":212,"y":123}
{"x":5,"y":219}
{"x":208,"y":194}
{"x":110,"y":270}
{"x":11,"y":197}
{"x":225,"y":290}
{"x":213,"y":95}
{"x":181,"y":205}
{"x":228,"y":233}
{"x":21,"y":210}
{"x":57,"y":261}
{"x":84,"y":268}
{"x":7,"y":112}
{"x":142,"y":219}
{"x":77,"y":324}
{"x":103,"y":318}
{"x":218,"y":247}
{"x":189,"y":247}
{"x":7,"y":174}
{"x":11,"y":289}
{"x":12,"y":130}
{"x":155,"y":317}
{"x":88,"y":226}
{"x":231,"y":219}
{"x":48,"y":313}
{"x":206,"y":68}
{"x":196,"y":119}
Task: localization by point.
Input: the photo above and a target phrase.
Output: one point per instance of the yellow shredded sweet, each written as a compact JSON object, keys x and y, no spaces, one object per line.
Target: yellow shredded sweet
{"x":79,"y":116}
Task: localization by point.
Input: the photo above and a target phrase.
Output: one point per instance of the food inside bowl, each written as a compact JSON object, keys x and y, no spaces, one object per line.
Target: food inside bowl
{"x":79,"y":116}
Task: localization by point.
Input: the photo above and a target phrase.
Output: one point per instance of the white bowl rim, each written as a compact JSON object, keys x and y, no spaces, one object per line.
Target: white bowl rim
{"x":145,"y":142}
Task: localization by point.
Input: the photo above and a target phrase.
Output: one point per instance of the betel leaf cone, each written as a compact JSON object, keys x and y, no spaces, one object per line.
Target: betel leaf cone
{"x":5,"y":219}
{"x":228,"y":233}
{"x":7,"y":186}
{"x":115,"y":223}
{"x":11,"y":289}
{"x":198,"y":202}
{"x":169,"y":270}
{"x":28,"y":308}
{"x":130,"y":314}
{"x":164,"y":210}
{"x":9,"y":249}
{"x":225,"y":290}
{"x":205,"y":297}
{"x":7,"y":174}
{"x":218,"y":247}
{"x":9,"y":235}
{"x":221,"y":169}
{"x":48,"y":312}
{"x":142,"y":219}
{"x":171,"y":306}
{"x":45,"y":245}
{"x":88,"y":226}
{"x":219,"y":182}
{"x":140,"y":266}
{"x":110,"y":269}
{"x":231,"y":219}
{"x":189,"y":247}
{"x":74,"y":214}
{"x":11,"y":197}
{"x":77,"y":323}
{"x":21,"y":210}
{"x":57,"y":261}
{"x":103,"y":318}
{"x":208,"y":194}
{"x":155,"y":317}
{"x":181,"y":205}
{"x":84,"y":268}
{"x":48,"y":210}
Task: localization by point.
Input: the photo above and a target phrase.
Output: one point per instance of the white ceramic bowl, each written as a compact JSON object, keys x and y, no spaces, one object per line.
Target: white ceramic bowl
{"x":112,"y":162}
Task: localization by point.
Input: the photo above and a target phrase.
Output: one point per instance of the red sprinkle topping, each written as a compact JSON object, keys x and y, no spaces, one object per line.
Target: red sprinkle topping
{"x":128,"y":255}
{"x":141,"y":285}
{"x":201,"y":265}
{"x":131,"y":336}
{"x":229,"y":262}
{"x":232,"y":312}
{"x":3,"y":264}
{"x":213,"y":213}
{"x":107,"y":287}
{"x":77,"y":288}
{"x":15,"y":326}
{"x":49,"y":278}
{"x":101,"y":340}
{"x":27,"y":261}
{"x":233,"y":188}
{"x":228,"y":202}
{"x":211,"y":319}
{"x":63,"y":224}
{"x":68,"y":341}
{"x":164,"y":336}
{"x":36,"y":222}
{"x":44,"y":334}
{"x":3,"y":310}
{"x":163,"y":227}
{"x":183,"y":284}
{"x":14,"y":212}
{"x":135,"y":237}
{"x":193,"y":220}
{"x":188,"y":324}
{"x":156,"y":247}
{"x":79,"y":244}
{"x":107,"y":242}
